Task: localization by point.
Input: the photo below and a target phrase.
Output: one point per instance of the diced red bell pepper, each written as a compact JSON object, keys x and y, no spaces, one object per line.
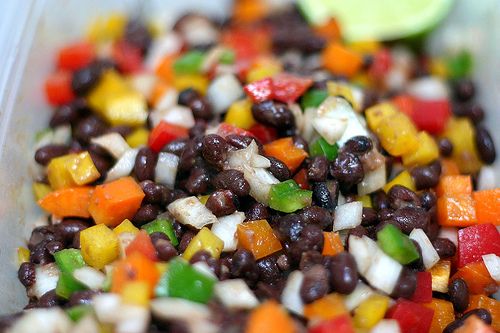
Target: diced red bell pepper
{"x":412,"y":317}
{"x":58,"y":88}
{"x":226,"y":129}
{"x":263,"y":133}
{"x":382,"y":62}
{"x":75,"y":56}
{"x":164,"y":133}
{"x":405,"y":104}
{"x":142,"y":244}
{"x":260,"y":91}
{"x":423,"y":292}
{"x":431,"y":116}
{"x":476,"y":241}
{"x":127,"y":57}
{"x":301,"y":179}
{"x":340,"y":324}
{"x":288,"y":88}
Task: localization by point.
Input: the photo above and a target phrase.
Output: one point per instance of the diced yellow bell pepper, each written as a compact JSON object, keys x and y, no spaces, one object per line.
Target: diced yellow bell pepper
{"x":40,"y":190}
{"x":397,"y":134}
{"x":262,"y":68}
{"x":240,"y":114}
{"x":115,"y":100}
{"x":376,"y":114}
{"x":404,"y":179}
{"x":203,"y":198}
{"x":23,"y":255}
{"x":126,"y":226}
{"x":438,"y":67}
{"x":440,"y":273}
{"x":136,"y":293}
{"x":58,"y":173}
{"x":161,"y":267}
{"x":343,"y":90}
{"x":443,"y":314}
{"x":361,"y":80}
{"x":83,"y":170}
{"x":461,"y":133}
{"x":195,"y":81}
{"x":366,"y":46}
{"x":371,"y":311}
{"x":107,"y":28}
{"x":366,"y":200}
{"x":99,"y":245}
{"x":426,"y":152}
{"x":139,"y":137}
{"x":204,"y":240}
{"x":325,"y":308}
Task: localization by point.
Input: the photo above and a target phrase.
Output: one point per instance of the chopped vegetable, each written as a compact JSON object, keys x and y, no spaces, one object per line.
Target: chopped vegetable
{"x":99,"y":246}
{"x":397,"y":245}
{"x":164,"y":133}
{"x":68,"y":202}
{"x":412,"y":317}
{"x":443,"y":314}
{"x":258,"y":237}
{"x":288,"y":197}
{"x":142,"y":244}
{"x":163,"y":226}
{"x":204,"y":240}
{"x":322,"y":148}
{"x":285,"y":151}
{"x":475,"y":241}
{"x":371,"y":311}
{"x":269,"y":317}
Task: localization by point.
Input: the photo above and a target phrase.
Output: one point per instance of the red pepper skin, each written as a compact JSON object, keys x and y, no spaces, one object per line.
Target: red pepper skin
{"x":263,"y":133}
{"x":226,"y":129}
{"x":75,"y":56}
{"x":423,"y":292}
{"x":301,"y":179}
{"x":260,"y":91}
{"x":340,"y":324}
{"x":476,"y":241}
{"x":142,"y":243}
{"x":382,"y":62}
{"x":431,"y":116}
{"x":58,"y":88}
{"x":288,"y":88}
{"x":164,"y":133}
{"x":127,"y":57}
{"x":412,"y":317}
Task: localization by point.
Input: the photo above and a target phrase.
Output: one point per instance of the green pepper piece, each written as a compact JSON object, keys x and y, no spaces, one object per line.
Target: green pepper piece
{"x":313,"y":98}
{"x":322,"y":148}
{"x":164,"y":226}
{"x":227,"y":57}
{"x":189,"y":63}
{"x":397,"y":245}
{"x":181,"y":280}
{"x":288,"y":197}
{"x":77,"y":312}
{"x":67,"y":285}
{"x":460,"y":65}
{"x":68,"y":260}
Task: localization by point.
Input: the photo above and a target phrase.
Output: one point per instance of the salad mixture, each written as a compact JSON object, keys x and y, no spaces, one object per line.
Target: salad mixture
{"x":260,"y":175}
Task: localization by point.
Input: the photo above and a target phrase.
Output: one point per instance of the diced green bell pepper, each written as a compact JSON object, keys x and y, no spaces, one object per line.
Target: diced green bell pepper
{"x":313,"y":98}
{"x":68,"y":260}
{"x":181,"y":280}
{"x":77,"y":312}
{"x":189,"y":63}
{"x":164,"y":226}
{"x":322,"y":148}
{"x":288,"y":197}
{"x":397,"y":245}
{"x":67,"y":285}
{"x":227,"y":57}
{"x":460,"y":65}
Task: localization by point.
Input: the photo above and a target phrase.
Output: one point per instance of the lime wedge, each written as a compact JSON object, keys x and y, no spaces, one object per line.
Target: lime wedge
{"x":377,"y":19}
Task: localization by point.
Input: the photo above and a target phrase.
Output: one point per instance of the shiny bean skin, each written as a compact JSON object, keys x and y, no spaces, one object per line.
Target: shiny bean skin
{"x":69,"y":227}
{"x":300,"y":142}
{"x":45,"y":154}
{"x":273,"y":114}
{"x":279,"y":169}
{"x":485,"y":145}
{"x":343,"y":273}
{"x":204,"y":256}
{"x":84,"y":79}
{"x":48,"y":300}
{"x":176,"y":147}
{"x":471,"y":110}
{"x":445,"y":147}
{"x":201,"y":108}
{"x":198,"y":181}
{"x":317,"y":170}
{"x":290,"y":227}
{"x":400,"y":196}
{"x":358,"y":145}
{"x":241,"y":141}
{"x":221,"y":202}
{"x":145,"y":163}
{"x":243,"y":265}
{"x":459,"y":294}
{"x":186,"y":96}
{"x":214,"y":150}
{"x":256,"y":212}
{"x":347,"y":169}
{"x":481,"y":313}
{"x":315,"y":284}
{"x":463,"y":89}
{"x":309,"y":259}
{"x":369,"y":217}
{"x":310,"y":239}
{"x":380,"y":200}
{"x":428,"y":199}
{"x":317,"y":215}
{"x":199,"y":128}
{"x":155,"y":193}
{"x":410,"y":218}
{"x":191,"y":153}
{"x":88,"y":128}
{"x":26,"y":274}
{"x":406,"y":285}
{"x":65,"y":115}
{"x":232,"y":180}
{"x":321,"y":196}
{"x":185,"y":240}
{"x":164,"y":248}
{"x":268,"y":269}
{"x":444,"y":247}
{"x":145,"y":214}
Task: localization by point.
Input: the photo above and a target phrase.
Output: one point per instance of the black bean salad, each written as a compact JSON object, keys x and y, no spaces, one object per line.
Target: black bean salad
{"x":260,"y":175}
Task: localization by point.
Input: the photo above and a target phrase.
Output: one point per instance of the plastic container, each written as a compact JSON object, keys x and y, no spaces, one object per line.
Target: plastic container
{"x":30,"y":31}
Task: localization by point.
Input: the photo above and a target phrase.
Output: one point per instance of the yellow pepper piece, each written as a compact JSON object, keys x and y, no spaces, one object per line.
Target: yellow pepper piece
{"x":139,"y":137}
{"x":366,"y":46}
{"x":204,"y":240}
{"x":126,"y":226}
{"x":397,"y":134}
{"x":366,"y":200}
{"x":203,"y":198}
{"x":342,"y":90}
{"x":117,"y":102}
{"x":443,"y":314}
{"x":107,"y":28}
{"x":376,"y":114}
{"x":23,"y":255}
{"x":58,"y":173}
{"x":195,"y":81}
{"x":426,"y":152}
{"x":136,"y":293}
{"x":240,"y":114}
{"x":440,"y":273}
{"x":99,"y":245}
{"x":262,"y":68}
{"x":461,"y":133}
{"x":82,"y":169}
{"x":371,"y":311}
{"x":404,"y":179}
{"x":327,"y":307}
{"x":438,"y":68}
{"x":40,"y":190}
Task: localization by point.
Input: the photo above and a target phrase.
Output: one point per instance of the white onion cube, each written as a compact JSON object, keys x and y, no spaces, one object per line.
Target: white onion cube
{"x":290,"y":297}
{"x":429,"y":254}
{"x":348,"y":215}
{"x":235,"y":294}
{"x":225,"y":229}
{"x":113,"y":143}
{"x":223,"y":91}
{"x":192,"y":212}
{"x":166,"y":169}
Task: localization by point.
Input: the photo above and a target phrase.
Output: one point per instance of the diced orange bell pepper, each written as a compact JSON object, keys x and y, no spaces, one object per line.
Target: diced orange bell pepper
{"x":75,"y":56}
{"x":440,"y":273}
{"x":159,"y":90}
{"x":68,"y":202}
{"x":258,"y":237}
{"x":285,"y":151}
{"x":329,"y":30}
{"x":487,"y":206}
{"x":327,"y":307}
{"x":456,"y":211}
{"x":404,"y":103}
{"x":490,"y":304}
{"x":477,"y":277}
{"x":449,"y":167}
{"x":443,"y":314}
{"x":113,"y":202}
{"x":454,"y":186}
{"x":142,"y":244}
{"x":269,"y":317}
{"x":165,"y":69}
{"x":135,"y":267}
{"x":340,"y":60}
{"x":333,"y":244}
{"x":247,"y":11}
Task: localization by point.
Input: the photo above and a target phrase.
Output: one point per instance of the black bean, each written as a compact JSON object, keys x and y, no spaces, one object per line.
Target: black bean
{"x":358,"y":145}
{"x":190,"y":154}
{"x":240,"y":141}
{"x":155,"y":193}
{"x":40,"y":255}
{"x":256,"y":212}
{"x":102,"y":163}
{"x":123,"y":130}
{"x":46,"y":153}
{"x":428,"y":199}
{"x":137,"y":34}
{"x":321,"y":196}
{"x":283,"y":262}
{"x":69,"y":227}
{"x":221,"y":202}
{"x":463,"y":89}
{"x":317,"y":170}
{"x":145,"y":163}
{"x":39,"y":234}
{"x":145,"y":214}
{"x":300,"y":142}
{"x":232,"y":180}
{"x":445,"y":147}
{"x":273,"y":114}
{"x":87,"y":128}
{"x":206,"y":257}
{"x":406,"y":285}
{"x":410,"y":218}
{"x":198,"y":181}
{"x":385,"y":214}
{"x":215,"y":150}
{"x":286,"y":37}
{"x":444,"y":247}
{"x":26,"y":274}
{"x":76,"y":241}
{"x":309,"y":259}
{"x":199,"y":128}
{"x":347,"y":169}
{"x":426,"y":176}
{"x":369,"y":217}
{"x":185,"y":240}
{"x":54,"y":246}
{"x":243,"y":265}
{"x":433,"y":228}
{"x":400,"y":196}
{"x":164,"y":249}
{"x":315,"y":284}
{"x":83,"y":297}
{"x":310,"y":239}
{"x":485,"y":145}
{"x":471,"y":110}
{"x":279,"y":169}
{"x":187,"y":96}
{"x":176,"y":147}
{"x":459,"y":294}
{"x":380,"y":200}
{"x":48,"y":300}
{"x":268,"y":269}
{"x":343,"y":273}
{"x":84,"y":79}
{"x":201,"y":108}
{"x":290,"y":227}
{"x":176,"y":194}
{"x":481,"y":313}
{"x":317,"y":215}
{"x":64,"y":115}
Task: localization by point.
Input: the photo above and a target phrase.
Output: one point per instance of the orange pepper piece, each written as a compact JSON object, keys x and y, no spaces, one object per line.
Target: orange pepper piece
{"x":454,"y":186}
{"x":258,"y":237}
{"x":73,"y":201}
{"x":449,"y":167}
{"x":456,"y":211}
{"x":135,"y":267}
{"x":269,"y":317}
{"x":333,"y":244}
{"x":159,"y":89}
{"x":142,"y":243}
{"x":329,"y":30}
{"x":340,"y":60}
{"x":477,"y":277}
{"x":247,"y":11}
{"x":285,"y":151}
{"x":487,"y":206}
{"x":443,"y":314}
{"x":490,"y":304}
{"x":327,"y":307}
{"x":165,"y":69}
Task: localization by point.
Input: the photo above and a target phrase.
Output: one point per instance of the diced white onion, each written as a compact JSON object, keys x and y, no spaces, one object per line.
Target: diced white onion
{"x":307,"y":130}
{"x":107,"y":307}
{"x":86,"y":325}
{"x":298,"y":115}
{"x":198,"y":30}
{"x":203,"y":268}
{"x":492,"y":263}
{"x":46,"y":278}
{"x":290,"y":297}
{"x":124,"y":240}
{"x":241,"y":157}
{"x":361,"y":293}
{"x":383,"y":272}
{"x":178,"y":115}
{"x":450,"y":233}
{"x":348,"y":216}
{"x":223,"y":91}
{"x":373,"y":181}
{"x":166,"y":169}
{"x":487,"y":179}
{"x":225,"y":229}
{"x":124,"y":166}
{"x":161,"y":47}
{"x":132,"y":319}
{"x":235,"y":294}
{"x":386,"y":326}
{"x":260,"y":181}
{"x":144,"y":83}
{"x":429,"y":254}
{"x":42,"y":321}
{"x":212,"y":58}
{"x":331,"y":129}
{"x":428,"y":88}
{"x":362,"y":253}
{"x":89,"y":277}
{"x":259,"y":161}
{"x":62,"y":135}
{"x":167,"y":100}
{"x":113,"y":143}
{"x":192,"y":212}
